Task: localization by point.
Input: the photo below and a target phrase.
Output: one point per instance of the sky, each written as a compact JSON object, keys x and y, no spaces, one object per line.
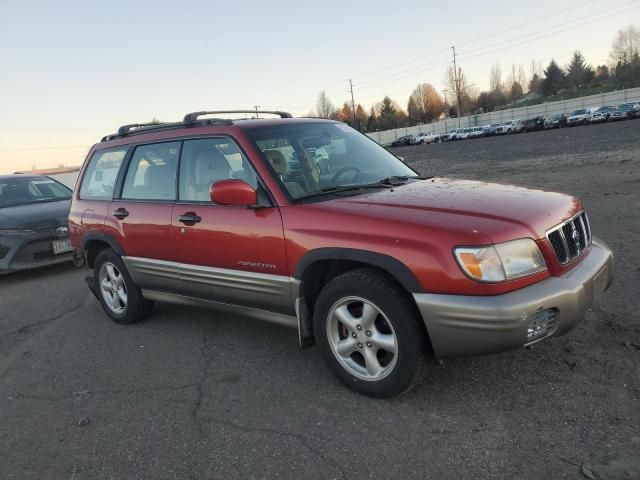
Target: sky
{"x":73,"y":71}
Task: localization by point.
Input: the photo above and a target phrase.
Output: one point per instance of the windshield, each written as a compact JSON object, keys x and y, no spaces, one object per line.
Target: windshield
{"x":312,"y":157}
{"x":20,"y":191}
{"x":579,"y":112}
{"x":625,"y":106}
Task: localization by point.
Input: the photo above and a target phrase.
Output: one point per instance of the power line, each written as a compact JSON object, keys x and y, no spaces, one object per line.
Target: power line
{"x":599,"y":13}
{"x":525,"y":24}
{"x":63,"y":147}
{"x":421,"y":68}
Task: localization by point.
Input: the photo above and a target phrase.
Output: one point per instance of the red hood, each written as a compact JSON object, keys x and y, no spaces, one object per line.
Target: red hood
{"x":499,"y":212}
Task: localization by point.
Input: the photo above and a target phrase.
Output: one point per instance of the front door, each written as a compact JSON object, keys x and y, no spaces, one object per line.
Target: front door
{"x":140,"y":218}
{"x":227,"y":254}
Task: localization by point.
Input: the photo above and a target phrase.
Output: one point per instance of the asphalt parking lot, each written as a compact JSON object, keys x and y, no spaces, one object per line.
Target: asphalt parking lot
{"x":191,"y":394}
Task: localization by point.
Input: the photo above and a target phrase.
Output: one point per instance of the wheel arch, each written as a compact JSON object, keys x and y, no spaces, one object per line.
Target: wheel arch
{"x":94,"y":243}
{"x":318,"y":267}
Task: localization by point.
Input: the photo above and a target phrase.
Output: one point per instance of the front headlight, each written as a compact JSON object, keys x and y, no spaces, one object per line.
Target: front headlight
{"x":501,"y":262}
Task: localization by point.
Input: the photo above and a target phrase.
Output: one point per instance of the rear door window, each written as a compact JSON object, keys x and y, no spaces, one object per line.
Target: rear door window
{"x":152,"y":172}
{"x":99,"y":180}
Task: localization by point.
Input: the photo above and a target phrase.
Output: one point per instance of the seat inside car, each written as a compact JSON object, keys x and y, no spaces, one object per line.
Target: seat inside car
{"x":279,"y":164}
{"x":159,"y":181}
{"x":210,"y":167}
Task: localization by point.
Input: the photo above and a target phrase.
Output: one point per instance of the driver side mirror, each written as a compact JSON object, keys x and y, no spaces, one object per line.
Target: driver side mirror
{"x":233,"y":192}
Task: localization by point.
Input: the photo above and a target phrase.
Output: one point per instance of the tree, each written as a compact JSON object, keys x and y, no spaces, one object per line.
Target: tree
{"x":345,"y":114}
{"x":372,"y":121}
{"x":626,"y":45}
{"x":428,"y":103}
{"x":324,"y":107}
{"x":516,"y":91}
{"x":456,"y":82}
{"x":554,"y":79}
{"x":361,"y":118}
{"x":413,"y":111}
{"x":579,"y":73}
{"x":628,"y":73}
{"x":535,"y":84}
{"x":391,"y":115}
{"x":495,"y":79}
{"x":602,"y":74}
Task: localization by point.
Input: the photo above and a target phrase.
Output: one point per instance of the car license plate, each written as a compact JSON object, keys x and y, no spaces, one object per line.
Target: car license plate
{"x":62,"y":246}
{"x":600,"y":283}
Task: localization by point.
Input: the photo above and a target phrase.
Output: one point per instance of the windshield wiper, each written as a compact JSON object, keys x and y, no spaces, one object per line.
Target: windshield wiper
{"x":397,"y":180}
{"x":388,"y":182}
{"x":343,"y":188}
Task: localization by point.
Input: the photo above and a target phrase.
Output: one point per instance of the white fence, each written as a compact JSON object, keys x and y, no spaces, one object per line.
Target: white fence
{"x":522,"y":113}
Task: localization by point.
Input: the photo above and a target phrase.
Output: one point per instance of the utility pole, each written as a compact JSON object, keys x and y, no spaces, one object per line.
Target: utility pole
{"x":353,"y":104}
{"x":455,"y":77}
{"x":256,"y":107}
{"x":446,"y":108}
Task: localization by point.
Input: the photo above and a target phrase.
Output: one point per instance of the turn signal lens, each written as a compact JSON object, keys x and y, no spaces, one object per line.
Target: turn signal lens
{"x":501,"y":262}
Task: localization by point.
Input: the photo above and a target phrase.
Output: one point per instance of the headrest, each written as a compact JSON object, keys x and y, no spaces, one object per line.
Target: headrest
{"x":211,"y":165}
{"x":277,"y":161}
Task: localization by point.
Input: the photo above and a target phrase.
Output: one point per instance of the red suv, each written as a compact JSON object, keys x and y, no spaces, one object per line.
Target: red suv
{"x":381,"y":267}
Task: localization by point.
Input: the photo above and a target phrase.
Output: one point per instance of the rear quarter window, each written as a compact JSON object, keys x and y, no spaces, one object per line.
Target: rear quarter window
{"x":98,"y":182}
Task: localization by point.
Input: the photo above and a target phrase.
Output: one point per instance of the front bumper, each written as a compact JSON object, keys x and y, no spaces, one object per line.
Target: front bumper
{"x":23,"y":252}
{"x":460,"y":325}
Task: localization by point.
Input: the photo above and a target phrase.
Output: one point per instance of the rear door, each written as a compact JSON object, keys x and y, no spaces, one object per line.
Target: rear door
{"x":140,"y":217}
{"x":227,"y":254}
{"x":93,"y":197}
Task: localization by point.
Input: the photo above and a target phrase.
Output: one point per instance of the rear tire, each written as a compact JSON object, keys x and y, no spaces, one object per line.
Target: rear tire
{"x":370,"y":334}
{"x":120,"y":297}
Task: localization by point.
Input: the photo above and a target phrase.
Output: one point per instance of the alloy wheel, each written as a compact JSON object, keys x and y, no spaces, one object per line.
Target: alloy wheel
{"x":362,"y":339}
{"x":113,"y":288}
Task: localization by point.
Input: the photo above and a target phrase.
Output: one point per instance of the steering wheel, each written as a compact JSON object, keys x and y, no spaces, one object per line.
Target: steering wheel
{"x":342,"y":171}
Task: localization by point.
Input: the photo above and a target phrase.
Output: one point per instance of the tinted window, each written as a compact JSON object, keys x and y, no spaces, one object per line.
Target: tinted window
{"x":152,"y":172}
{"x":207,"y":161}
{"x":20,"y":191}
{"x":100,"y":178}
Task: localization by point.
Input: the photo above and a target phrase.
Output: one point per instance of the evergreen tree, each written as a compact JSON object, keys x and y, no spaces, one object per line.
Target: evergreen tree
{"x":535,"y":84}
{"x":579,"y":73}
{"x":554,"y":79}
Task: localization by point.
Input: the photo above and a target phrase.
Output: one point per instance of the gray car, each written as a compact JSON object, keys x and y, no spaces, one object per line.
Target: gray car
{"x":33,"y":222}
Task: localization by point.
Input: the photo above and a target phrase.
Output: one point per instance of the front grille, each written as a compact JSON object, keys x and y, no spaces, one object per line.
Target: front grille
{"x":36,"y":252}
{"x":571,"y":238}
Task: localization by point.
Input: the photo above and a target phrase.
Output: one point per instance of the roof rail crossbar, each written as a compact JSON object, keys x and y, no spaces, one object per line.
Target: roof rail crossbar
{"x":190,"y":118}
{"x":123,"y":130}
{"x":140,"y":128}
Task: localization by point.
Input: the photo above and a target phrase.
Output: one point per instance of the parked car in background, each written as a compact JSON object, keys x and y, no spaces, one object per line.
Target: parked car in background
{"x":580,"y":117}
{"x":626,"y":111}
{"x":602,"y":114}
{"x":512,"y":126}
{"x":33,"y":222}
{"x":427,"y":137}
{"x":476,"y":132}
{"x":463,"y":133}
{"x":402,"y":141}
{"x":491,"y":130}
{"x":556,"y":121}
{"x":451,"y":135}
{"x":533,"y":124}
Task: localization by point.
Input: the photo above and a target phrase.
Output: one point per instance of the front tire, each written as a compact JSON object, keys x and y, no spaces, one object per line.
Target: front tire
{"x":120,"y":297}
{"x":370,"y":334}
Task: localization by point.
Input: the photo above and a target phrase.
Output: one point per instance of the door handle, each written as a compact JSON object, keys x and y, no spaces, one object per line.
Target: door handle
{"x":189,"y":218}
{"x":121,"y":213}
